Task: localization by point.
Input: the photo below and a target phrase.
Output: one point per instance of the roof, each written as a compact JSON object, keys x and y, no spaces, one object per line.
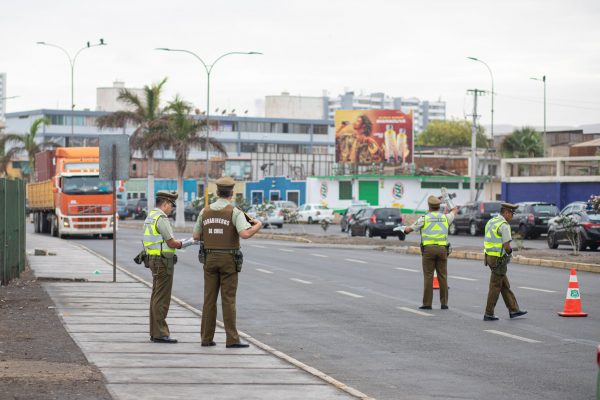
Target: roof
{"x":589,"y":143}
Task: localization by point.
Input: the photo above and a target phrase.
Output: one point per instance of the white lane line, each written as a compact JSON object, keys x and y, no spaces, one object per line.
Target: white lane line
{"x":287,"y":250}
{"x":416,"y":312}
{"x":319,"y":255}
{"x":355,"y":261}
{"x":259,"y":246}
{"x":408,"y":269}
{"x":301,"y":281}
{"x":358,"y":296}
{"x":263,"y":271}
{"x":537,"y":290}
{"x":462,"y":278}
{"x":524,"y":339}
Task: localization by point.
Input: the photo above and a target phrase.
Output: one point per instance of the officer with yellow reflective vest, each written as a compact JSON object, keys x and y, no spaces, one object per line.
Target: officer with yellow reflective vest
{"x":498,"y":252}
{"x":160,"y":246}
{"x":434,"y":249}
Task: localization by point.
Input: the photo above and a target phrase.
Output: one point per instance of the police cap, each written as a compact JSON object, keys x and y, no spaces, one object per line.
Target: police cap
{"x":165,"y":194}
{"x":225,"y":183}
{"x":433,"y":201}
{"x":509,"y":206}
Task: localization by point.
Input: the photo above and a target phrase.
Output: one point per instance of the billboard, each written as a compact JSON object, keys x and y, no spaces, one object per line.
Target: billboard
{"x":373,"y":136}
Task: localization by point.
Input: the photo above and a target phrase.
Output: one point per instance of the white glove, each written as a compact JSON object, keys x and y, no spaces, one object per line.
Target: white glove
{"x":400,"y":228}
{"x":447,"y":198}
{"x":188,"y":242}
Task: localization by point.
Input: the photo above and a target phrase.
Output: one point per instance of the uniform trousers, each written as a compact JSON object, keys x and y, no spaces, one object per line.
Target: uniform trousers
{"x":435,"y":258}
{"x":162,"y":283}
{"x":219,"y":274}
{"x":499,"y":285}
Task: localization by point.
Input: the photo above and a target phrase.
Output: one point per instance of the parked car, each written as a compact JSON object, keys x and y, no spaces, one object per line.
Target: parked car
{"x":531,"y":218}
{"x":273,"y":218}
{"x":122,"y":208}
{"x":472,"y":217}
{"x":349,"y":214}
{"x":588,"y":227}
{"x":137,"y":208}
{"x":371,"y":221}
{"x":313,"y":213}
{"x":286,"y":207}
{"x":190,"y":212}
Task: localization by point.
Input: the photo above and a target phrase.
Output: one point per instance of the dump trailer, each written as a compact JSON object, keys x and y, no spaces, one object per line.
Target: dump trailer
{"x":69,"y":198}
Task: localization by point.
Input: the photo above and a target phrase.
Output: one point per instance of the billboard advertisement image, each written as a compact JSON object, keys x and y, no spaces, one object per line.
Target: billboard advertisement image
{"x":373,"y":136}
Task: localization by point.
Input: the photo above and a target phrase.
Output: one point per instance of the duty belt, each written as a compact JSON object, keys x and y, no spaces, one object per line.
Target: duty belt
{"x":232,"y":251}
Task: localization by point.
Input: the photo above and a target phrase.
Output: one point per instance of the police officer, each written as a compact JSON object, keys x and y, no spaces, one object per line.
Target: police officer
{"x":220,"y":228}
{"x":434,"y":249}
{"x":160,"y":246}
{"x":498,"y":252}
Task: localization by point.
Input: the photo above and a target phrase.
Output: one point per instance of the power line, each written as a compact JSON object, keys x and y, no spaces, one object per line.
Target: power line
{"x":531,"y":100}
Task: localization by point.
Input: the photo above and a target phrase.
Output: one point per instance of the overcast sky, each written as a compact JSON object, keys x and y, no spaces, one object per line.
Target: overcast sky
{"x":402,"y":48}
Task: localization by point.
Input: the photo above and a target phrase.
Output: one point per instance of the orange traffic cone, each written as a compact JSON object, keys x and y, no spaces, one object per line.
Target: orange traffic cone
{"x":436,"y":284}
{"x":573,"y":302}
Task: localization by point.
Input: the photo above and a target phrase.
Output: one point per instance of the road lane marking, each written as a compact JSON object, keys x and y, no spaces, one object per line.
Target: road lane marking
{"x":259,"y":246}
{"x":263,"y":271}
{"x":301,"y":281}
{"x":524,"y":339}
{"x":287,"y":250}
{"x":355,"y":261}
{"x":537,"y":290}
{"x":408,"y":269}
{"x":424,"y":314}
{"x":462,"y":278}
{"x":358,"y":296}
{"x":318,"y":255}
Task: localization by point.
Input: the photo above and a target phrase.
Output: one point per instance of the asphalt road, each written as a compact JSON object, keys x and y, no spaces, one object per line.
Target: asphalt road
{"x":353,"y":315}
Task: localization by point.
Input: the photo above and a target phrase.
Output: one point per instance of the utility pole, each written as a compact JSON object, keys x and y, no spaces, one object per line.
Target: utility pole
{"x":473,"y":178}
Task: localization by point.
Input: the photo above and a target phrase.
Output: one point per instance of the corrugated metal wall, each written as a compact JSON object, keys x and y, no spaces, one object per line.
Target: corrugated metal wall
{"x":12,"y":229}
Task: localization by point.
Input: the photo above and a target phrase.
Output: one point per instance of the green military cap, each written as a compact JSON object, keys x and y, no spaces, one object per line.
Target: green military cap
{"x":225,"y":182}
{"x":509,"y":206}
{"x":165,"y":194}
{"x":433,"y":201}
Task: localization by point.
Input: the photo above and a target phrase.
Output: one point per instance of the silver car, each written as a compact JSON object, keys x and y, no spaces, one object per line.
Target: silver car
{"x":271,"y":218}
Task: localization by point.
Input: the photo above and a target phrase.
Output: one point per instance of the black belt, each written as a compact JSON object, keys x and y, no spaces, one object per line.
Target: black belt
{"x":231,"y":251}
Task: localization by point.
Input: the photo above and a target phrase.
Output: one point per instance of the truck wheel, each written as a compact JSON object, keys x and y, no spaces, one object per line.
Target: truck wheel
{"x":53,"y":227}
{"x":35,"y":223}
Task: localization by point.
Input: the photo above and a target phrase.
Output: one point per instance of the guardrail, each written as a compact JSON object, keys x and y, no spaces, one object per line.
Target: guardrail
{"x":12,"y":229}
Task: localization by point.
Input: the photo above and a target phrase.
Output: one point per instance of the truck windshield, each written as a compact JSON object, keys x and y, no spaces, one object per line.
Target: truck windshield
{"x":86,"y":185}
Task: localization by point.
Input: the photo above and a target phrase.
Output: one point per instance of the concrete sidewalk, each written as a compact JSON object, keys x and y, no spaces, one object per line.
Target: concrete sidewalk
{"x":109,"y":322}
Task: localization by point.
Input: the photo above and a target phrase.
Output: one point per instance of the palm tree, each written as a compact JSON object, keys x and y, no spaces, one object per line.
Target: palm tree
{"x":146,"y":116}
{"x":524,"y":142}
{"x":25,"y":144}
{"x":184,"y":134}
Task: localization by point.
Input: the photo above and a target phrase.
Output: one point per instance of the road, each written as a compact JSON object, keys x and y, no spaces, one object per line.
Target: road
{"x":353,"y":315}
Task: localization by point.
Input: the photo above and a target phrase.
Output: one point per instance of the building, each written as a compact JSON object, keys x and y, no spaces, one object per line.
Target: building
{"x":296,"y":107}
{"x":106,"y":97}
{"x":2,"y":95}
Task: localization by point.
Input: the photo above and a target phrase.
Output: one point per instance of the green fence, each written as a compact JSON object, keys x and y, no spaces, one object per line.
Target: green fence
{"x":12,"y":229}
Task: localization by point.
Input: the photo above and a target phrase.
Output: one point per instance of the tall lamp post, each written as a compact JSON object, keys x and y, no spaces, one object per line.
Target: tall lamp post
{"x":492,"y":76}
{"x":543,"y":80}
{"x":72,"y":64}
{"x":208,"y":68}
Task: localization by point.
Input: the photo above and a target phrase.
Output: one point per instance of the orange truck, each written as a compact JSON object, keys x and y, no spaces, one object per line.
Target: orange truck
{"x":68,"y":197}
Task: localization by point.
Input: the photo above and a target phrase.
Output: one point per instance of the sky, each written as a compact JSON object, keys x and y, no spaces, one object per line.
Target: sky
{"x":402,"y":48}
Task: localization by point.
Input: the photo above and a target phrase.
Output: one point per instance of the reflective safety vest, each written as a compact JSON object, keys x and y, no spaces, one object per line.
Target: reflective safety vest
{"x":153,"y":240}
{"x":435,"y":229}
{"x":492,"y":242}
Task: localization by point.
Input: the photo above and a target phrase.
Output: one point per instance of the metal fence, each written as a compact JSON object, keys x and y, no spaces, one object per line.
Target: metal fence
{"x":12,"y":229}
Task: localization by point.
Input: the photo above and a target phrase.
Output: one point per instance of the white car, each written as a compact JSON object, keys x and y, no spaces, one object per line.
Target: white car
{"x":313,"y":213}
{"x":273,"y":218}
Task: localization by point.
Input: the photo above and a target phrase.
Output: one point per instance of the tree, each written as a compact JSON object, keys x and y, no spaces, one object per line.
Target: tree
{"x":24,"y":144}
{"x":453,"y":133}
{"x":184,"y":134}
{"x":524,"y":142}
{"x":149,"y":134}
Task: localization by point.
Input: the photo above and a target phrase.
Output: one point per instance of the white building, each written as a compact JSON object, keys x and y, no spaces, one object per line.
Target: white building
{"x":106,"y":97}
{"x":2,"y":95}
{"x":295,"y":107}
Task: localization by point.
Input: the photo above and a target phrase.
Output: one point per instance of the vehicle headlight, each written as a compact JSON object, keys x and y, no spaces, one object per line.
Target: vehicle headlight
{"x":66,"y":223}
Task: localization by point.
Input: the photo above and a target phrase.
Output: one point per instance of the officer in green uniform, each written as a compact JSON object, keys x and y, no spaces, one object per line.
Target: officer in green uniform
{"x":434,"y":249}
{"x":160,"y":246}
{"x":498,"y":252}
{"x":220,"y":228}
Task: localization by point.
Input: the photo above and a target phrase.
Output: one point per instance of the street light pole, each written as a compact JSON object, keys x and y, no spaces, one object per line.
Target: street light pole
{"x":543,"y":80}
{"x":208,"y":68}
{"x":72,"y":64}
{"x":492,"y":76}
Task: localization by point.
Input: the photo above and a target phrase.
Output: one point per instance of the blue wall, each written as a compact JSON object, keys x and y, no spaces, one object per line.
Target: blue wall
{"x":189,"y":186}
{"x":559,"y":193}
{"x":268,"y":184}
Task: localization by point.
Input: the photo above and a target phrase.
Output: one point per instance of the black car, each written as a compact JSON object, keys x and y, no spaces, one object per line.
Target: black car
{"x":588,"y":227}
{"x":376,"y":222}
{"x":137,"y":208}
{"x":531,"y":218}
{"x":349,"y":215}
{"x":472,"y":217}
